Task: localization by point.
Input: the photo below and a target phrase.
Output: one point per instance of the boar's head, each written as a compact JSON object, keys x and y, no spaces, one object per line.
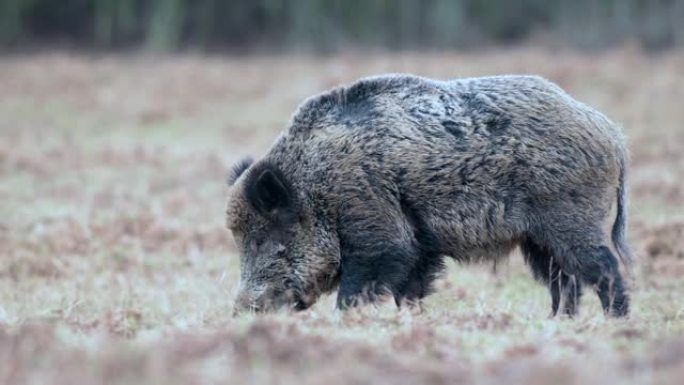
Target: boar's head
{"x":289,"y":255}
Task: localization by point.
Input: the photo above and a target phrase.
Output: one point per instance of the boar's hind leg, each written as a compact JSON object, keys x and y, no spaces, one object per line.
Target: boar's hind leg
{"x":599,"y":267}
{"x":579,"y":250}
{"x":565,"y":289}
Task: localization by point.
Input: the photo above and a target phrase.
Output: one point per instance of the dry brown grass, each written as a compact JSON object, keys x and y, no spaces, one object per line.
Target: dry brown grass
{"x":115,"y":266}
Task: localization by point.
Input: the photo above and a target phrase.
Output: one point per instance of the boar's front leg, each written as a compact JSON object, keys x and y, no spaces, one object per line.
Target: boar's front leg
{"x":421,"y":278}
{"x":377,"y":254}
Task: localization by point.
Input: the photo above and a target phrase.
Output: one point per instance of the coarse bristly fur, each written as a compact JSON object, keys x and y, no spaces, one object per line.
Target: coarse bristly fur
{"x":373,"y":184}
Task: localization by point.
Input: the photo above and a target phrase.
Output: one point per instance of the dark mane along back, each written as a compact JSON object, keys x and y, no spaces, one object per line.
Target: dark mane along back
{"x":351,"y":102}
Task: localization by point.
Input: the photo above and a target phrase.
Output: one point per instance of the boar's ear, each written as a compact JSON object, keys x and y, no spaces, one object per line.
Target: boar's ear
{"x":238,"y":169}
{"x":269,"y":192}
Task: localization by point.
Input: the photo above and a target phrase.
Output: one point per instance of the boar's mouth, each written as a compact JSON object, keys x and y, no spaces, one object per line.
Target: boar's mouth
{"x":293,"y":299}
{"x":291,"y":302}
{"x":297,"y":301}
{"x":300,"y":305}
{"x":303,"y":302}
{"x":291,"y":295}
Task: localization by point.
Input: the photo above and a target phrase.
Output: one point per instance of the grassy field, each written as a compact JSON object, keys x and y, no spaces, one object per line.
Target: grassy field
{"x":115,"y":267}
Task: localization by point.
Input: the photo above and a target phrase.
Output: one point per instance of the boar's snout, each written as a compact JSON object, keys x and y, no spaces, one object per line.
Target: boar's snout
{"x":245,"y":302}
{"x":251,"y":298}
{"x":268,"y":300}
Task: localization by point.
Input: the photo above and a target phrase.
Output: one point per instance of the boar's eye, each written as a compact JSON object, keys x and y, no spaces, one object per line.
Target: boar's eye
{"x":259,"y":238}
{"x":255,"y":242}
{"x":254,"y":245}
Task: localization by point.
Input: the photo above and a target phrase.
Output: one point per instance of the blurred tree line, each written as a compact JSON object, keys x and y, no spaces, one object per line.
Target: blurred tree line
{"x":324,"y":25}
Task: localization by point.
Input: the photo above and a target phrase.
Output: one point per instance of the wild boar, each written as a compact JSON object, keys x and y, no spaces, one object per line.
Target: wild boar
{"x":373,"y":184}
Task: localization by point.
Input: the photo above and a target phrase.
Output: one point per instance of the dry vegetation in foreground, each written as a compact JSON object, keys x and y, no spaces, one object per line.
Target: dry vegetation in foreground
{"x":115,"y":267}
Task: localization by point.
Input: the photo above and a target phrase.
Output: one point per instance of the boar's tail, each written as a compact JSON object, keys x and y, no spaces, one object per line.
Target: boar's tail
{"x":620,"y":224}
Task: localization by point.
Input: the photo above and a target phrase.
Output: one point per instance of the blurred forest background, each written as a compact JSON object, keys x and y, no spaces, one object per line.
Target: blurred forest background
{"x":329,"y":25}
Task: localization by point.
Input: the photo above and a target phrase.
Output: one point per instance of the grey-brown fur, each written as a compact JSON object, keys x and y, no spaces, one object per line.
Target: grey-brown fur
{"x":372,"y":184}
